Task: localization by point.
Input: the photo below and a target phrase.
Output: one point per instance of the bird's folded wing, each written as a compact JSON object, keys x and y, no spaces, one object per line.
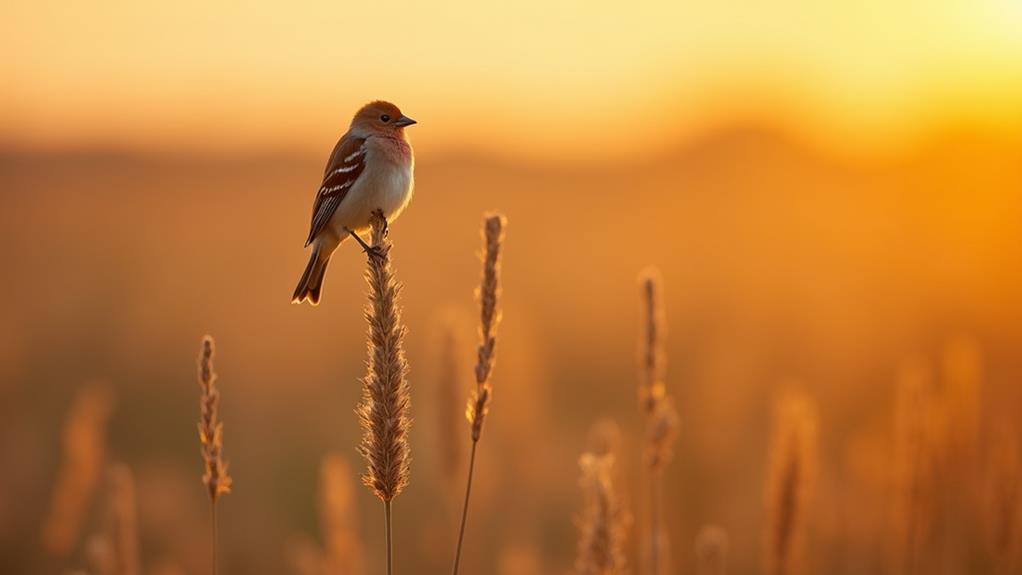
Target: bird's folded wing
{"x":345,"y":166}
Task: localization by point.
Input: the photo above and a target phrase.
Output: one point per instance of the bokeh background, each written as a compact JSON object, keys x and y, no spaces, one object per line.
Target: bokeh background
{"x":831,"y":190}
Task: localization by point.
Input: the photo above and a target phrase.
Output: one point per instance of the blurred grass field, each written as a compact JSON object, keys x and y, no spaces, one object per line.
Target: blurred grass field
{"x":784,"y":268}
{"x":832,"y":193}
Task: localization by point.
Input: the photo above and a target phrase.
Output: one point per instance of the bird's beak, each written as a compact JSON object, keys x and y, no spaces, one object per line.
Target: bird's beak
{"x":404,"y":121}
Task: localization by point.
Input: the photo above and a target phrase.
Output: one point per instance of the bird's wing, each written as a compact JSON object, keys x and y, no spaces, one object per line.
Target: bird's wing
{"x":346,"y":164}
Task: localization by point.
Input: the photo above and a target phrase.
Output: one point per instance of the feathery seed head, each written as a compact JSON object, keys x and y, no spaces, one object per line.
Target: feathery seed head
{"x":386,"y":399}
{"x":478,"y":408}
{"x":652,"y":359}
{"x":488,"y":292}
{"x":211,"y":429}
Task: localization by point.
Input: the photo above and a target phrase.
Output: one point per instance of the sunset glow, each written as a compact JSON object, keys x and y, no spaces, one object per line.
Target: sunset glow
{"x":573,"y":79}
{"x":684,"y":286}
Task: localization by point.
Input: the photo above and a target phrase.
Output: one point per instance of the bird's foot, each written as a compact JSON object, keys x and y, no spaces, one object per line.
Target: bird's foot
{"x":377,"y":252}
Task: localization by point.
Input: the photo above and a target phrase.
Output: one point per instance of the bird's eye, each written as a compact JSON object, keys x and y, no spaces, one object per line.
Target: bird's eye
{"x":385,"y":118}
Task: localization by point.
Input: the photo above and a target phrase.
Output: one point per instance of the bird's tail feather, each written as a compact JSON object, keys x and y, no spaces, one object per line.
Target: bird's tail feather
{"x":312,"y":280}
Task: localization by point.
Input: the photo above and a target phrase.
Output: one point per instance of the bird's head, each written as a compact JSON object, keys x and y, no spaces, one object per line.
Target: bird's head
{"x":380,"y":118}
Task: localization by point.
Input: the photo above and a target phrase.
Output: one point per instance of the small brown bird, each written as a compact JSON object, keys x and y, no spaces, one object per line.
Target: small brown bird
{"x":371,"y":168}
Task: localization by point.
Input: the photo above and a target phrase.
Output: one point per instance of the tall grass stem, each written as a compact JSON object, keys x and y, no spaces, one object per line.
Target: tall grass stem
{"x":464,"y":509}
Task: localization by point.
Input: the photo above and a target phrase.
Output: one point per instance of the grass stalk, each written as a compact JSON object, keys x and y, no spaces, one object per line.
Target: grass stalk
{"x":489,"y":316}
{"x":388,"y":520}
{"x":792,"y":465}
{"x":212,"y":535}
{"x":661,"y":418}
{"x":602,"y":524}
{"x":386,"y":399}
{"x":464,"y":507}
{"x":211,"y":429}
{"x":655,"y":521}
{"x":338,"y":518}
{"x":914,"y":481}
{"x":82,"y":460}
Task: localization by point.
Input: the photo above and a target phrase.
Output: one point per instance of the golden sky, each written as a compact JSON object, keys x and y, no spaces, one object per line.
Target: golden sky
{"x":533,"y":77}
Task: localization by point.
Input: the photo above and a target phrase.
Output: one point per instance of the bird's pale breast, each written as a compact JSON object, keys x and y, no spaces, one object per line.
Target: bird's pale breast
{"x":385,"y":184}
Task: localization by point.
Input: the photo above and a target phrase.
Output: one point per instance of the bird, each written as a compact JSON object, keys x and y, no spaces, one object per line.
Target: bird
{"x":370,"y":169}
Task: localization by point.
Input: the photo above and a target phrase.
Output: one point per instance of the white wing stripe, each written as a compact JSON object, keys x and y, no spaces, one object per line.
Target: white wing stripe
{"x":343,"y":170}
{"x":325,"y":190}
{"x":354,"y":154}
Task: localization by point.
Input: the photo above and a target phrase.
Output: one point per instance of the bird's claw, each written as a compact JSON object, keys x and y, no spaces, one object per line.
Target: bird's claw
{"x":376,"y":252}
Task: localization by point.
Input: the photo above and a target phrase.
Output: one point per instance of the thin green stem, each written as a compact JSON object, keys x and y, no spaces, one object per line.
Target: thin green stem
{"x":390,"y":545}
{"x":464,"y":509}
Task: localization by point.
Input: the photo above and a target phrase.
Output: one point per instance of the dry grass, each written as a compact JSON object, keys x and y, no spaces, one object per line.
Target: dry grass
{"x":386,"y":402}
{"x":661,"y":429}
{"x":1004,"y":501}
{"x":962,"y":368}
{"x":211,"y":431}
{"x":338,"y":518}
{"x":602,"y":524}
{"x":914,"y":468}
{"x":661,"y":418}
{"x":84,"y":454}
{"x":652,"y":357}
{"x":114,"y":549}
{"x":489,"y":317}
{"x":939,"y":432}
{"x":793,"y":463}
{"x":123,"y":520}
